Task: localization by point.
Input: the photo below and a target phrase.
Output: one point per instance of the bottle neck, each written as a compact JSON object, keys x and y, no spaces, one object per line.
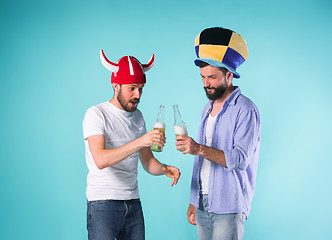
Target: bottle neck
{"x":160,"y":117}
{"x":177,"y":117}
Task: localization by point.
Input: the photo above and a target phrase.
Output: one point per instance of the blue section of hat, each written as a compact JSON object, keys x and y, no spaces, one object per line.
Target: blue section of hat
{"x":197,"y":50}
{"x":232,"y":58}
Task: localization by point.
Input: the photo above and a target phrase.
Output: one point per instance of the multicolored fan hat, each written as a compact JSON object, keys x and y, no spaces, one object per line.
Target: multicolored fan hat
{"x":128,"y":70}
{"x":221,"y":47}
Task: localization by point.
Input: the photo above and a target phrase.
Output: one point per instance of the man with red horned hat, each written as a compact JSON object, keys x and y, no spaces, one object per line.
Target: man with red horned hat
{"x":115,"y":137}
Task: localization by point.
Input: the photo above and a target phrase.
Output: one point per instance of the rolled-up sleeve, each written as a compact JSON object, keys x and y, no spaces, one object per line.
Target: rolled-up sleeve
{"x":245,"y":137}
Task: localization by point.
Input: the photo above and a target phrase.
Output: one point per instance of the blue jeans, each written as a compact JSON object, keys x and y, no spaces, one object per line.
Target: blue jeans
{"x":211,"y":226}
{"x":115,"y":219}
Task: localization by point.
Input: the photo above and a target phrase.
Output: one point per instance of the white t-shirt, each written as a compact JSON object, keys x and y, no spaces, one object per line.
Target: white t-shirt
{"x":205,"y":171}
{"x":119,"y":181}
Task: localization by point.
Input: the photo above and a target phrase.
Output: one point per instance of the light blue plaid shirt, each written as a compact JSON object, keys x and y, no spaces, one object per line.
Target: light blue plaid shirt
{"x":237,"y":134}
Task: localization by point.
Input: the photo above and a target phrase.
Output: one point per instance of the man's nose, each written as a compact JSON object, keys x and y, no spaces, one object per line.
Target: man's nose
{"x":205,"y":82}
{"x":137,"y":93}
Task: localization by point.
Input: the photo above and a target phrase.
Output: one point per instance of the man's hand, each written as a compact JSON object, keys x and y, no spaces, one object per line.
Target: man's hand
{"x":188,"y":144}
{"x":172,"y":172}
{"x":191,"y":214}
{"x":153,"y":137}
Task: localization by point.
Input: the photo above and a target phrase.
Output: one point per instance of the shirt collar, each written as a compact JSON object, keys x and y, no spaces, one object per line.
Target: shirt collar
{"x":231,"y":100}
{"x":119,"y":111}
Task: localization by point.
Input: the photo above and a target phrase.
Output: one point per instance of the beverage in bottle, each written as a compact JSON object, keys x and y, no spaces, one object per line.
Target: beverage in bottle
{"x":159,"y":125}
{"x":180,"y":128}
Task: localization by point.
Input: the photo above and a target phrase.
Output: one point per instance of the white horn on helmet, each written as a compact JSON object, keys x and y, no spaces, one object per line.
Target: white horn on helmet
{"x":108,"y":64}
{"x":149,"y":65}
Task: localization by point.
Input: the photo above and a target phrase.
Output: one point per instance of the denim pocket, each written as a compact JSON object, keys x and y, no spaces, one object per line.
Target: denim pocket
{"x":88,"y":216}
{"x":99,"y":202}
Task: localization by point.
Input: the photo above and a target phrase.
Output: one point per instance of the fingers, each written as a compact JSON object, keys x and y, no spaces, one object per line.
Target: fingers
{"x":185,"y":151}
{"x":173,"y":173}
{"x":158,"y":138}
{"x":186,"y":145}
{"x":181,"y":138}
{"x":153,"y":137}
{"x":192,"y":219}
{"x":175,"y":179}
{"x":181,"y":143}
{"x":178,"y":175}
{"x":191,"y":214}
{"x":182,"y":147}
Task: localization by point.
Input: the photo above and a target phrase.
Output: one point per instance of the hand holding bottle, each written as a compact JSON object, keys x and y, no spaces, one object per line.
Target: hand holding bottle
{"x":160,"y":126}
{"x":153,"y":138}
{"x":186,"y":145}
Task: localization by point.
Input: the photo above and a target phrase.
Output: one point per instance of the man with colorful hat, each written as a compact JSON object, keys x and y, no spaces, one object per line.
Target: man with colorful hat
{"x":227,"y":148}
{"x":115,"y":137}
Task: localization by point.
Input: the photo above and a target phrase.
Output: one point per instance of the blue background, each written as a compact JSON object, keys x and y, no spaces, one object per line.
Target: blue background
{"x":51,"y":73}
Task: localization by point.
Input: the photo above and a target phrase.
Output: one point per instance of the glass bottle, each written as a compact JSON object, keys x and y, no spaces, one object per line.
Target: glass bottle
{"x":180,"y":128}
{"x":159,"y":125}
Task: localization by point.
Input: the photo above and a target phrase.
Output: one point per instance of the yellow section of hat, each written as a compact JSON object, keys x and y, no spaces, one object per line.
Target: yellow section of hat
{"x":215,"y":52}
{"x":239,"y":44}
{"x":197,"y":39}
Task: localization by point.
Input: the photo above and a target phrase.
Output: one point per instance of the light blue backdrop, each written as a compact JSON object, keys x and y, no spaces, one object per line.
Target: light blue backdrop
{"x":51,"y":73}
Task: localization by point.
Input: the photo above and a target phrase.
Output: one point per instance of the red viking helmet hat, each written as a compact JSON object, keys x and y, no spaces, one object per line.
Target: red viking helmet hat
{"x":128,"y":70}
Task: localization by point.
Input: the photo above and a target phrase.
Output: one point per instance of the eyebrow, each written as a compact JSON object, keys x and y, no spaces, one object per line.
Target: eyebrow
{"x":213,"y":75}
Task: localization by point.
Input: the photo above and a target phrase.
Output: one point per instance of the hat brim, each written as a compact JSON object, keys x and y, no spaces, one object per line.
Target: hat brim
{"x":216,"y":63}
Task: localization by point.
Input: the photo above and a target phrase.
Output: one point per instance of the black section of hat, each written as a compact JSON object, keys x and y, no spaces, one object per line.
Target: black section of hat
{"x":215,"y":36}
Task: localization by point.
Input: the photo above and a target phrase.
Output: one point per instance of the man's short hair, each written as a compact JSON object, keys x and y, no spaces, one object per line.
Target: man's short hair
{"x":204,"y":64}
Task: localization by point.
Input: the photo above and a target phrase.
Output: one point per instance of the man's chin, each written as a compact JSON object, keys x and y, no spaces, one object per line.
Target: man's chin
{"x":131,"y":107}
{"x":215,"y":94}
{"x":211,"y":96}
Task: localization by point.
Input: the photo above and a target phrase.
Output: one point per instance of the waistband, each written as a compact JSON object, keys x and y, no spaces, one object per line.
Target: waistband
{"x":116,"y":200}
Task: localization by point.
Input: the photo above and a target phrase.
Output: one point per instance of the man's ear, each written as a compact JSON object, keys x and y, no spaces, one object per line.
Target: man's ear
{"x":229,"y":77}
{"x":116,"y":87}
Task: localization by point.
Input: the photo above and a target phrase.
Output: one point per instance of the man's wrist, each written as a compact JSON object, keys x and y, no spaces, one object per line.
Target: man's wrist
{"x":200,"y":150}
{"x":138,"y":143}
{"x":163,"y":165}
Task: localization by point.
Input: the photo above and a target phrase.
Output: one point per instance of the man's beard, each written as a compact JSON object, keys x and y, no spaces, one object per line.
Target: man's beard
{"x":218,"y":92}
{"x":126,"y":105}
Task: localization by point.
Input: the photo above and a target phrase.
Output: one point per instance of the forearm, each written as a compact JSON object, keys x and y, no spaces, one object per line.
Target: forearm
{"x":150,"y":163}
{"x":212,"y":154}
{"x":108,"y":157}
{"x":154,"y":167}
